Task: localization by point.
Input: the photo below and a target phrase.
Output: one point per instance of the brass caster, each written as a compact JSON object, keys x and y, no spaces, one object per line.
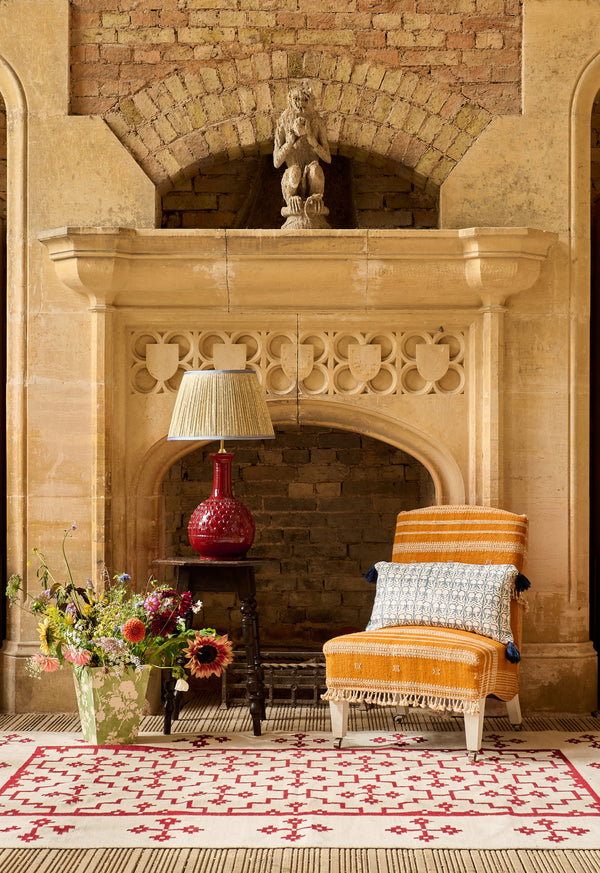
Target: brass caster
{"x":337,"y":743}
{"x":398,"y":718}
{"x":516,"y":727}
{"x":472,"y":757}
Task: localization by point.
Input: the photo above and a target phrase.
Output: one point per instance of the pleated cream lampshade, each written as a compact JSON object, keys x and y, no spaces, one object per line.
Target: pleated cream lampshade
{"x":221,"y":405}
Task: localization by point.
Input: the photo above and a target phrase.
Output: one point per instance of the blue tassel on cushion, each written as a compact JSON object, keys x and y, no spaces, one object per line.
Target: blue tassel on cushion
{"x":371,"y":574}
{"x":522,"y":583}
{"x":512,"y":654}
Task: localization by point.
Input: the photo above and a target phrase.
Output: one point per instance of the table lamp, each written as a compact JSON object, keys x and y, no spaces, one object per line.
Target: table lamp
{"x":221,"y":405}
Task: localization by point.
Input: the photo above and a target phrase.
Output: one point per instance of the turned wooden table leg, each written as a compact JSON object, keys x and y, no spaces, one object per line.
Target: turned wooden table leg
{"x":254,"y":672}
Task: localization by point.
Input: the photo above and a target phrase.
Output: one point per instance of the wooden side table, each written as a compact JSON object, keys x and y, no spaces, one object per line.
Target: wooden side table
{"x":201,"y":574}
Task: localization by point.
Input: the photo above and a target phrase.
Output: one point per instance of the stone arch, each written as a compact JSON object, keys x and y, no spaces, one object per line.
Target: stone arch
{"x":15,"y":102}
{"x":231,"y":109}
{"x":144,"y":541}
{"x":584,"y":515}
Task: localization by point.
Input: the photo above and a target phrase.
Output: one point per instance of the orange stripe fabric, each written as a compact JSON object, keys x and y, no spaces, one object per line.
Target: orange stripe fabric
{"x":469,"y":534}
{"x":443,"y":669}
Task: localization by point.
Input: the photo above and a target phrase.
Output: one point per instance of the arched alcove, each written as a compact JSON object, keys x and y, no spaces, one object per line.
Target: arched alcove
{"x":14,"y":325}
{"x":594,"y":377}
{"x":325,"y":503}
{"x":3,"y":187}
{"x":375,"y":462}
{"x":361,"y":191}
{"x":585,"y":410}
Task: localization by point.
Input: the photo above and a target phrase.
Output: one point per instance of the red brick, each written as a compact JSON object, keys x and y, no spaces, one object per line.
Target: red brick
{"x":370,"y":39}
{"x":460,"y":40}
{"x":96,"y":5}
{"x":387,"y":6}
{"x":146,"y":56}
{"x":383,"y":56}
{"x":81,"y":19}
{"x":145,"y":18}
{"x":115,"y":54}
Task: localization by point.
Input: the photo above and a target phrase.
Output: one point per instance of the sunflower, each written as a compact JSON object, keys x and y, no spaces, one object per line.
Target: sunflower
{"x":47,"y":636}
{"x":208,"y":654}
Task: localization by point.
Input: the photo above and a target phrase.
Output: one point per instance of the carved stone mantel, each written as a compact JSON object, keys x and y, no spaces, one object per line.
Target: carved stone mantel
{"x":312,"y":270}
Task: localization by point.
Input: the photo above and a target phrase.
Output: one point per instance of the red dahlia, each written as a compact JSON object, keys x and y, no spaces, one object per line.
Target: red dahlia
{"x":134,"y":630}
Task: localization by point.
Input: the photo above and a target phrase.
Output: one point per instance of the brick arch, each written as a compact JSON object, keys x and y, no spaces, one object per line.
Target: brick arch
{"x":172,"y":126}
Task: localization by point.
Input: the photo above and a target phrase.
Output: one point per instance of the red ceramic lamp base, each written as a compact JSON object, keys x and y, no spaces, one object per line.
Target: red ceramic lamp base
{"x":221,"y":527}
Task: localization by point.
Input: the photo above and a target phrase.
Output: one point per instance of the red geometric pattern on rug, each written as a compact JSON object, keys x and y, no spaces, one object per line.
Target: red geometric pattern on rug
{"x":299,"y":791}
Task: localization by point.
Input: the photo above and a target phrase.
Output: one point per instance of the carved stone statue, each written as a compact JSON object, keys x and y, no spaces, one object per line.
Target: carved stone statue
{"x":300,"y":141}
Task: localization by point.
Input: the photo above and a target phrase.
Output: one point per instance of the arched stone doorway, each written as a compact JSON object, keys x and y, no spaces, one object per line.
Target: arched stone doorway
{"x":148,"y":539}
{"x":14,"y":333}
{"x":3,"y":189}
{"x":325,"y":503}
{"x":595,"y":375}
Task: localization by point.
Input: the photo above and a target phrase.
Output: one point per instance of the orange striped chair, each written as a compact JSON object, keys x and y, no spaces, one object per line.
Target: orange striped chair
{"x":443,"y":668}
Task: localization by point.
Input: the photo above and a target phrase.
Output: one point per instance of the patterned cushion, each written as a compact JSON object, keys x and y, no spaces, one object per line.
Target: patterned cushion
{"x":470,"y":597}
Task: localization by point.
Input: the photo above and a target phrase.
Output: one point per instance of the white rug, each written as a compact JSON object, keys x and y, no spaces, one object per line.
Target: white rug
{"x":529,"y":790}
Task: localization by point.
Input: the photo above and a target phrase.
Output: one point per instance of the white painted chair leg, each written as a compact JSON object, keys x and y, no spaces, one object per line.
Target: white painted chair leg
{"x":338,"y":710}
{"x":474,"y":730}
{"x":513,"y":708}
{"x":401,"y":714}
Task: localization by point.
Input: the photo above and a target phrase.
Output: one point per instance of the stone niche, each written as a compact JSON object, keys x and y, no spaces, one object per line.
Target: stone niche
{"x":391,"y":339}
{"x":325,"y":503}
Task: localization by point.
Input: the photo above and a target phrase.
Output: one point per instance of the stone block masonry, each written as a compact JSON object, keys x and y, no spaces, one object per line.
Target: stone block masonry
{"x":3,"y":178}
{"x":325,"y":505}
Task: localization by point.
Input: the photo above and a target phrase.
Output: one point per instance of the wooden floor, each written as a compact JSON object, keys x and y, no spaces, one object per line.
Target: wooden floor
{"x":204,"y":715}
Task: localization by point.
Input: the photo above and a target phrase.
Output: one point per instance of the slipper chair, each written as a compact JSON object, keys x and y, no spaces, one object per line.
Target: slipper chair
{"x":446,"y":623}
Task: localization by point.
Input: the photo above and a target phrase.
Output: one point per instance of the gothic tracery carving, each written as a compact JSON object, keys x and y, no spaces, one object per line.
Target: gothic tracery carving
{"x":313,"y":363}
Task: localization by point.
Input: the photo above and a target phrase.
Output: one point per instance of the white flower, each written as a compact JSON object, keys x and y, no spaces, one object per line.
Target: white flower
{"x":181,"y":685}
{"x":197,"y":607}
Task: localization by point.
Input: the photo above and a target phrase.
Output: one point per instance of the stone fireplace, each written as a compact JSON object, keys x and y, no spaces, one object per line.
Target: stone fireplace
{"x":443,"y":328}
{"x":386,"y":345}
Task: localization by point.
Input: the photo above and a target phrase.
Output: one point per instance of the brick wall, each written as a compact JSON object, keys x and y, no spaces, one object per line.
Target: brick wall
{"x":118,"y":46}
{"x":247,"y":193}
{"x":410,"y":82}
{"x":325,"y":505}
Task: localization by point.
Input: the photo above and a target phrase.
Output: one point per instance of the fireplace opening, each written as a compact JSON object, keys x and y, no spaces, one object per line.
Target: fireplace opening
{"x":325,"y":503}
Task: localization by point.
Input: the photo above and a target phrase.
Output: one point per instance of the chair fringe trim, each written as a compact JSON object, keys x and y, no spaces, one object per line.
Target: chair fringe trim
{"x":396,"y":698}
{"x":519,"y":596}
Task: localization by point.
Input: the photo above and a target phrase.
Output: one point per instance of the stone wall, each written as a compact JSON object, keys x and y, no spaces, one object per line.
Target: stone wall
{"x":325,"y":504}
{"x":2,"y":159}
{"x":595,"y":151}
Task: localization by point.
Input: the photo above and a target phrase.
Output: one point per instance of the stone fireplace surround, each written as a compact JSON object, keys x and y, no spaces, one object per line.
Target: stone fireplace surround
{"x":395,"y":335}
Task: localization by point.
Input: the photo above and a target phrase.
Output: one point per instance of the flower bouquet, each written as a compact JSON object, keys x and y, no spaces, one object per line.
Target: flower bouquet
{"x":112,"y":637}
